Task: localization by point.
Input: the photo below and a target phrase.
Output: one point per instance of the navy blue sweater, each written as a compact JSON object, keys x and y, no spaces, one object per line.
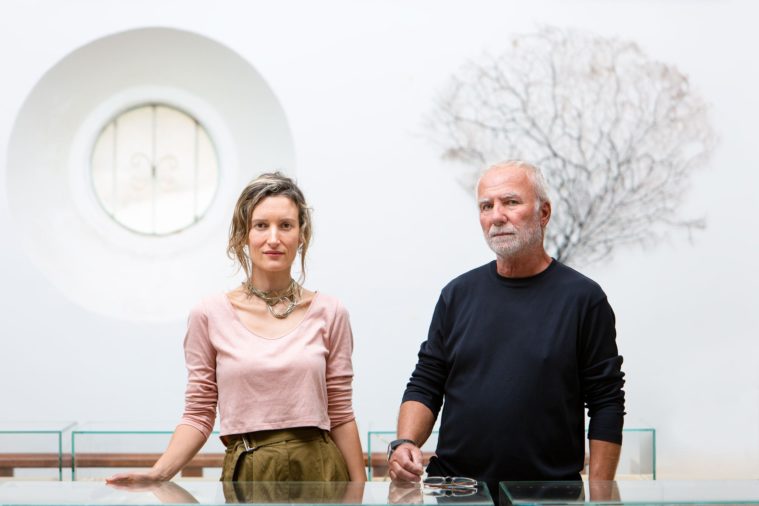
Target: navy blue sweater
{"x":517,"y":362}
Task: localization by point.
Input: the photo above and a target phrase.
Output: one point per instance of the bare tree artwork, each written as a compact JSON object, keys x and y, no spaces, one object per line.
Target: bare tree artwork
{"x":616,"y":133}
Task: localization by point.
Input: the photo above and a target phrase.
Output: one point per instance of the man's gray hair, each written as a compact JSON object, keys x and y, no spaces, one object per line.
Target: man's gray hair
{"x":533,"y":172}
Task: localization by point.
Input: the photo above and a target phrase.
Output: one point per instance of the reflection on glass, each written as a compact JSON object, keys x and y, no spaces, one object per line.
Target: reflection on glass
{"x":604,"y":491}
{"x":260,"y":492}
{"x":212,"y":493}
{"x":455,"y":486}
{"x":404,"y":492}
{"x":168,"y":492}
{"x":556,"y":492}
{"x":293,"y":492}
{"x":566,"y":492}
{"x":438,"y":490}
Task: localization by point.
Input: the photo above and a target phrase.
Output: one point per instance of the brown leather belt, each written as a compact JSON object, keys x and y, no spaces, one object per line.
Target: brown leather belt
{"x":254,"y":440}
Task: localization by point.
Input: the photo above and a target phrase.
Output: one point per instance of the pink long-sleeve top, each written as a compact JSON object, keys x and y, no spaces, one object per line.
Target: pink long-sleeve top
{"x":302,"y":379}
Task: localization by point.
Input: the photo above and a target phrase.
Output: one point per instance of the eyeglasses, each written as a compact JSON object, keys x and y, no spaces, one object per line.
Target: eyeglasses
{"x":449,"y":486}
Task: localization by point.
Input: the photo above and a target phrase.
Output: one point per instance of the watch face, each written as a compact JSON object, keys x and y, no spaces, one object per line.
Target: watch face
{"x":391,"y":448}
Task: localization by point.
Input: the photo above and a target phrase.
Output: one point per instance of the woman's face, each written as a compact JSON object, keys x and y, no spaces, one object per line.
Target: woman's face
{"x":274,"y":235}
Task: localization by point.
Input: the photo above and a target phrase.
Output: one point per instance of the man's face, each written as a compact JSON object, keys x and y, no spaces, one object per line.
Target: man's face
{"x":510,"y":219}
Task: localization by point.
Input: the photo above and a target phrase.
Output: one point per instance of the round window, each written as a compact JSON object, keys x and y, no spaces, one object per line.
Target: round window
{"x":154,"y":170}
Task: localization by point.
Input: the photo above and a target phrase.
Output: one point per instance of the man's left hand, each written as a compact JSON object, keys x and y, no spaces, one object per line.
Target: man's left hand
{"x":405,"y":463}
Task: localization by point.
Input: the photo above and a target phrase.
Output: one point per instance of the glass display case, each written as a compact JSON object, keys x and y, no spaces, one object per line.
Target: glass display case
{"x":32,"y":449}
{"x":635,"y":492}
{"x":637,"y":461}
{"x":21,"y":493}
{"x":101,"y":449}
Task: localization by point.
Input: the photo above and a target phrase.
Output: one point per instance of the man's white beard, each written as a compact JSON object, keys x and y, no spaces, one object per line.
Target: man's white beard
{"x":509,"y":246}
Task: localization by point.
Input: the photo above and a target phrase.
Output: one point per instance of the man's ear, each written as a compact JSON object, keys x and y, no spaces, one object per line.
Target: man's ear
{"x":545,"y":214}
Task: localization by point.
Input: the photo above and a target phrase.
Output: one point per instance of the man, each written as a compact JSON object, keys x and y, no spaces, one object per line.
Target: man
{"x":517,"y":348}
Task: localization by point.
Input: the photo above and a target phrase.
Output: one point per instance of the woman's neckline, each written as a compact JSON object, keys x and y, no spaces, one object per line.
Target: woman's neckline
{"x":239,"y":321}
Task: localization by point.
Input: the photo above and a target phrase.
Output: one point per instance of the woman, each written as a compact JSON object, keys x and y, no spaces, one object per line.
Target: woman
{"x":275,"y":357}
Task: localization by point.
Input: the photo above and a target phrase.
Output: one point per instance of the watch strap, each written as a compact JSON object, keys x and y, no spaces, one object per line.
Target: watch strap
{"x":396,"y":443}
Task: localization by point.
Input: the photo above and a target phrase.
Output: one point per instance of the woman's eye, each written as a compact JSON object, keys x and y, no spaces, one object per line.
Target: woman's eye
{"x":287,"y":226}
{"x":259,"y":226}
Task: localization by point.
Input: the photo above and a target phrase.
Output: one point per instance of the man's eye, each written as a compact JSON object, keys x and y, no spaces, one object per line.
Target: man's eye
{"x":486,"y":207}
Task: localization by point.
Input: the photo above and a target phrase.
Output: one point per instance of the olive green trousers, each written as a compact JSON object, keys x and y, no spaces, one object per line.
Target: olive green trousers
{"x":298,"y":454}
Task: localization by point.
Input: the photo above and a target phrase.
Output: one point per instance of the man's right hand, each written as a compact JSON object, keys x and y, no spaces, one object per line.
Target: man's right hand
{"x":406,"y":463}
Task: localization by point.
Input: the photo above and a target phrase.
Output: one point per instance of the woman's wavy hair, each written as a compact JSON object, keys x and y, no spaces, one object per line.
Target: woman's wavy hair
{"x":266,"y":185}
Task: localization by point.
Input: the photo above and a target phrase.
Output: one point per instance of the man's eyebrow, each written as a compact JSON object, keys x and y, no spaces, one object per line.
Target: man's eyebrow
{"x":510,"y":195}
{"x":504,"y":196}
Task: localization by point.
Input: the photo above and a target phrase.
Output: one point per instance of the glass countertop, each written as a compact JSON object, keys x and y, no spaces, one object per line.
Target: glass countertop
{"x":213,"y":492}
{"x":34,"y":427}
{"x":631,"y":492}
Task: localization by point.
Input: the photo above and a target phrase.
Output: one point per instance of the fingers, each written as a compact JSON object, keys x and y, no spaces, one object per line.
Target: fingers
{"x":403,"y":475}
{"x":118,"y":478}
{"x":406,"y":464}
{"x":131,"y":486}
{"x":124,"y":478}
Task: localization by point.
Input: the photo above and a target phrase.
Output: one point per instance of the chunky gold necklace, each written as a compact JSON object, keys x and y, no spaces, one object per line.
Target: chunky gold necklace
{"x":288,"y":296}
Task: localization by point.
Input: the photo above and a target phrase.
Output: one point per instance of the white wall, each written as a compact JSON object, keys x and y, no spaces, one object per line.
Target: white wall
{"x":392,"y":226}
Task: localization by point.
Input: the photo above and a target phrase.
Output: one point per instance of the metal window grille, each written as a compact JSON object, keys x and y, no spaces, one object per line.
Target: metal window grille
{"x":154,"y":170}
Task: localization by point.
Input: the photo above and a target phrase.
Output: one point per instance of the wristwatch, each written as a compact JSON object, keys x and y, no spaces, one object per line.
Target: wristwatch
{"x":395,"y":444}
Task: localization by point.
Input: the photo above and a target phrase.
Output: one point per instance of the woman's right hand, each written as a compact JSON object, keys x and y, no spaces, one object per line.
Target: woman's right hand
{"x":129,"y":478}
{"x":184,"y":444}
{"x":165,"y":491}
